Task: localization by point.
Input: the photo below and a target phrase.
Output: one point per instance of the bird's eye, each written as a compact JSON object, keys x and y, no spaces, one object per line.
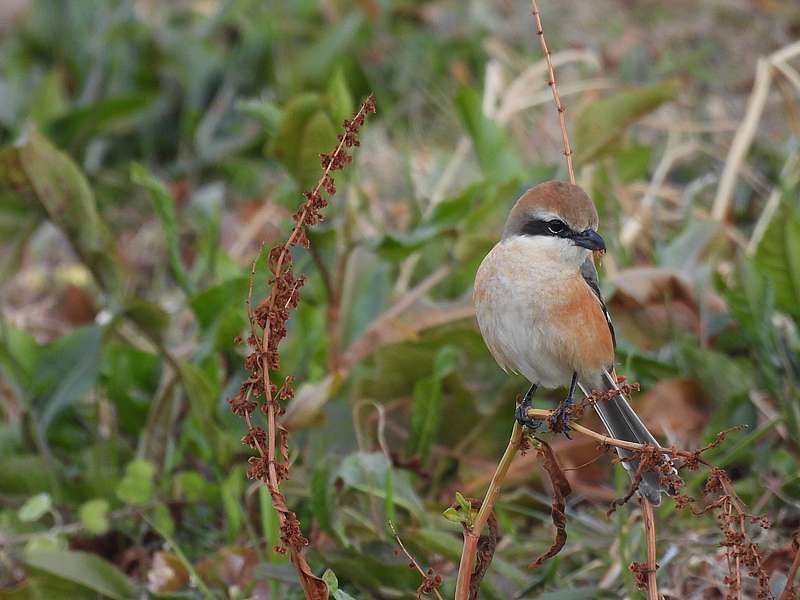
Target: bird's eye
{"x":556,"y":227}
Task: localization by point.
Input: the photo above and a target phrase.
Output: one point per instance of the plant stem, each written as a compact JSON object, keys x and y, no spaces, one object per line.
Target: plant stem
{"x":788,"y":589}
{"x":473,"y":534}
{"x":562,"y":120}
{"x":650,"y":538}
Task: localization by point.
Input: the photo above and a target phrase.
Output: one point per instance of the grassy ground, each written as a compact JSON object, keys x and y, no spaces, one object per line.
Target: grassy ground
{"x":151,"y":147}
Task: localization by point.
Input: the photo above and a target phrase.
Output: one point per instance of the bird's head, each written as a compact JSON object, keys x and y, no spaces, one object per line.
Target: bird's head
{"x":559,"y":218}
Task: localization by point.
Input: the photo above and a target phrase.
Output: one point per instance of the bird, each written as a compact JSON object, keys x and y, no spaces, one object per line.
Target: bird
{"x":541,"y":314}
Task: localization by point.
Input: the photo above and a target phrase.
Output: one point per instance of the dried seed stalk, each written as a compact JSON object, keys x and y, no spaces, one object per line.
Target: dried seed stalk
{"x":270,"y":318}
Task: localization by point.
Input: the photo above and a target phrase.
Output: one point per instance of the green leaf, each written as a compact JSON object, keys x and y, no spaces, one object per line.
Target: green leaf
{"x":130,"y":377}
{"x":202,"y":388}
{"x":118,"y":115}
{"x":137,"y":487}
{"x":496,"y":154}
{"x":633,"y":162}
{"x":454,"y":515}
{"x":305,"y":131}
{"x":162,"y":519}
{"x":15,"y":231}
{"x":35,"y":174}
{"x":319,"y":136}
{"x":149,"y":316}
{"x":212,"y":301}
{"x":721,"y":375}
{"x":46,"y":541}
{"x":263,"y":110}
{"x":87,"y":570}
{"x":19,"y":357}
{"x":366,"y":472}
{"x":446,"y":362}
{"x":35,"y":508}
{"x":23,"y":474}
{"x":68,"y":369}
{"x":42,"y":586}
{"x":398,"y":246}
{"x":329,"y":577}
{"x":426,"y":410}
{"x":49,"y":100}
{"x":340,"y":98}
{"x":600,"y":126}
{"x":221,"y":311}
{"x":202,"y":395}
{"x":751,"y":303}
{"x":321,"y":500}
{"x":190,"y":486}
{"x":318,"y":59}
{"x":164,"y":205}
{"x":94,"y":515}
{"x":231,"y":503}
{"x":778,"y":256}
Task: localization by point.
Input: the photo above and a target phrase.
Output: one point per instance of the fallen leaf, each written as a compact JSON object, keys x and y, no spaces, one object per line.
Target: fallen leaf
{"x":677,"y":406}
{"x":649,"y":304}
{"x":167,"y":574}
{"x":77,"y":306}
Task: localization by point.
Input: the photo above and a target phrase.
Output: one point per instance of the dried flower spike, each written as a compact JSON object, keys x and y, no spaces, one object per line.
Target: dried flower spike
{"x":268,"y":327}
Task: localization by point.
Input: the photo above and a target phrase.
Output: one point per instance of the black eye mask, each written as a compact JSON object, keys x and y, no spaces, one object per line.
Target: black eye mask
{"x":588,"y":238}
{"x":551,"y":227}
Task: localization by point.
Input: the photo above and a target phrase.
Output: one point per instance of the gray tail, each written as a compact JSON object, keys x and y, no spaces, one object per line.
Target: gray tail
{"x":623,"y":423}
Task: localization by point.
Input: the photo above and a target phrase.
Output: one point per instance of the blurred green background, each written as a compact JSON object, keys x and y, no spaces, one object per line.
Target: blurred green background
{"x":150,"y":147}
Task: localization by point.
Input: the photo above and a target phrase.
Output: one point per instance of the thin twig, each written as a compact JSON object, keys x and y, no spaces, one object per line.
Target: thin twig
{"x":413,"y":561}
{"x":544,"y":415}
{"x":472,"y":535}
{"x":788,"y":592}
{"x":552,"y":83}
{"x":650,"y":538}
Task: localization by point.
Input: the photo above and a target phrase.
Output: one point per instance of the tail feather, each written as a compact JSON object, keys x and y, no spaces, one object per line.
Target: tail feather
{"x":623,"y":423}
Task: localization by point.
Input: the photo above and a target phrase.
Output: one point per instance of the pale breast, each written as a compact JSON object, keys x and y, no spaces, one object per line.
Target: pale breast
{"x":535,"y":315}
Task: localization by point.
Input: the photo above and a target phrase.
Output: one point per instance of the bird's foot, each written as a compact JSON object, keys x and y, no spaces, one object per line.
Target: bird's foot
{"x":560,"y":419}
{"x":521,"y":415}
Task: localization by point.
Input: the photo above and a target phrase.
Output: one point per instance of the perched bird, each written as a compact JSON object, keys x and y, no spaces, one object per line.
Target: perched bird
{"x":541,"y":314}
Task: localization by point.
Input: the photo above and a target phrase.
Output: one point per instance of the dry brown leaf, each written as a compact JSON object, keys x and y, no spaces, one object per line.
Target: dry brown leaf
{"x":649,"y":304}
{"x":167,"y":574}
{"x":77,"y":307}
{"x":675,"y":406}
{"x":561,"y":489}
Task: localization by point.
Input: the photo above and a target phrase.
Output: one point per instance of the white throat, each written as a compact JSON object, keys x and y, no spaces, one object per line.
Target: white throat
{"x":551,"y":249}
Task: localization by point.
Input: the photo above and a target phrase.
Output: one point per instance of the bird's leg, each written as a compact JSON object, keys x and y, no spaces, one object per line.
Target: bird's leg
{"x":521,"y":414}
{"x":559,"y":421}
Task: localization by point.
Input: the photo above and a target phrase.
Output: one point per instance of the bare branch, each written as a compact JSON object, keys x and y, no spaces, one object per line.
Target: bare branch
{"x":554,"y":87}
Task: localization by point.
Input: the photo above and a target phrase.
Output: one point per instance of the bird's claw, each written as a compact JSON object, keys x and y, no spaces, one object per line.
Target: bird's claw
{"x":521,"y":415}
{"x":559,"y":421}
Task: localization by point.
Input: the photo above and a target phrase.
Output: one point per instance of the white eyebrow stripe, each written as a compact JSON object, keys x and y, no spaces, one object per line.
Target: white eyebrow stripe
{"x":545,"y":215}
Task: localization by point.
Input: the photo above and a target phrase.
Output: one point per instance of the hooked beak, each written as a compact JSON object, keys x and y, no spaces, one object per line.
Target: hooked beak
{"x":589,"y":239}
